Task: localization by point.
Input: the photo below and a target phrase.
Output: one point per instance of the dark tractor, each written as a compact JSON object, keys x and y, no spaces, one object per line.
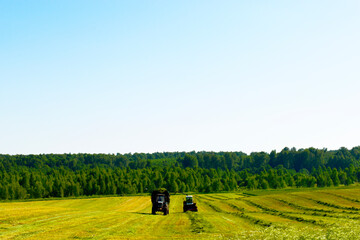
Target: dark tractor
{"x":189,"y":204}
{"x":160,"y":201}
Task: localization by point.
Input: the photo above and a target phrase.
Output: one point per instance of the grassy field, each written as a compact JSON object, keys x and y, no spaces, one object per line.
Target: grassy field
{"x":283,"y":214}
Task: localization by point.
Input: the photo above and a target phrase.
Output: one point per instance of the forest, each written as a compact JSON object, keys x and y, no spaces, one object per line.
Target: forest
{"x":72,"y":175}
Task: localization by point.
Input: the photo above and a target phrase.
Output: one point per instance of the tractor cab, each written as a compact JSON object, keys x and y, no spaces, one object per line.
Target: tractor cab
{"x":189,"y":200}
{"x":189,"y":204}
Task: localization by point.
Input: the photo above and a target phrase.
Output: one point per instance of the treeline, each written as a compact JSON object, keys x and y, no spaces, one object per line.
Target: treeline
{"x":256,"y":161}
{"x":65,"y":182}
{"x":63,"y":175}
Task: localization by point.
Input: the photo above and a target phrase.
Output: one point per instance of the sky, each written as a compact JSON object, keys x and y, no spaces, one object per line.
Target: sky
{"x":153,"y":76}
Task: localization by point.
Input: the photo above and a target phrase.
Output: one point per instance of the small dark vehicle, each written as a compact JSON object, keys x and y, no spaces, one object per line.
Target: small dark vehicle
{"x":160,"y":201}
{"x":189,"y":204}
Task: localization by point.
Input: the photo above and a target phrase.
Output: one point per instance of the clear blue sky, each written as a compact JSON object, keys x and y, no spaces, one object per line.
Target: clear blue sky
{"x":147,"y":76}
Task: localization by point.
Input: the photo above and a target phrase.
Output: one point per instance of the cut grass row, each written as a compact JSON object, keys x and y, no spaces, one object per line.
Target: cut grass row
{"x":221,"y":215}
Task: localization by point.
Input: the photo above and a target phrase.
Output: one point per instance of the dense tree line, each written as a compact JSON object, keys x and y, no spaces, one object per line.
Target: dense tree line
{"x":289,"y":158}
{"x":63,"y":175}
{"x":35,"y":183}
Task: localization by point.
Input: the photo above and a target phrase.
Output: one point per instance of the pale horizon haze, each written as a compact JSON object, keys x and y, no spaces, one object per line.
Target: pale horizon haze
{"x":154,"y":76}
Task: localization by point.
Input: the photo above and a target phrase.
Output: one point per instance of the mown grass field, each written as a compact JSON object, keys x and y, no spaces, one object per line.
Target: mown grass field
{"x":283,"y":214}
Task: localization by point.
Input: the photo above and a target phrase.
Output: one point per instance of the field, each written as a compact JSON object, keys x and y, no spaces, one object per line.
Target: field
{"x":284,"y":214}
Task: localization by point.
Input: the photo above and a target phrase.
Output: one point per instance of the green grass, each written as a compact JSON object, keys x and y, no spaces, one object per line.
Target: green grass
{"x":327,"y":213}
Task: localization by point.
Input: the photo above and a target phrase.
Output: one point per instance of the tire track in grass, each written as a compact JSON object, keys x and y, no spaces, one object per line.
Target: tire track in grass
{"x":333,"y":205}
{"x":198,"y":223}
{"x":328,"y":215}
{"x":282,"y":214}
{"x":319,"y":212}
{"x":311,"y":202}
{"x":296,"y":206}
{"x":237,"y":208}
{"x":224,"y":222}
{"x":338,"y":200}
{"x":243,"y":210}
{"x":352,"y":192}
{"x":242,"y":215}
{"x":206,"y":197}
{"x":272,"y":203}
{"x":217,"y":197}
{"x":343,"y":197}
{"x":245,"y":207}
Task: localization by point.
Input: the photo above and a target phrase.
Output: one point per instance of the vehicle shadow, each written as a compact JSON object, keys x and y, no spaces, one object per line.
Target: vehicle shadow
{"x":156,"y":214}
{"x":141,"y":213}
